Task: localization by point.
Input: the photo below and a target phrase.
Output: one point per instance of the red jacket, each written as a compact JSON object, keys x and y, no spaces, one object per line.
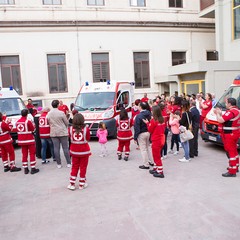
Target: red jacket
{"x":25,"y":130}
{"x":79,"y":142}
{"x":124,"y":132}
{"x":157,"y":130}
{"x":206,"y":110}
{"x":44,"y":128}
{"x":232,"y":121}
{"x":5,"y":137}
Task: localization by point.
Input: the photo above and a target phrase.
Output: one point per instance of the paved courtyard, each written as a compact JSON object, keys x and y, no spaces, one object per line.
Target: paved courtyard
{"x":123,"y":202}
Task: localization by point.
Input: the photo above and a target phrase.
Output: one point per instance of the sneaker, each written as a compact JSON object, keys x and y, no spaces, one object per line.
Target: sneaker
{"x":34,"y":170}
{"x":69,"y":165}
{"x":15,"y":169}
{"x":45,"y":161}
{"x":183,"y":160}
{"x":170,"y":151}
{"x":81,"y":187}
{"x":159,"y":175}
{"x":151,"y":164}
{"x":6,"y":169}
{"x":227,"y":174}
{"x":26,"y":170}
{"x":101,"y":155}
{"x":143,"y":167}
{"x":176,"y":153}
{"x":59,"y":166}
{"x":71,"y":187}
{"x":164,"y":156}
{"x":152,"y":171}
{"x":119,"y":157}
{"x":126,"y":158}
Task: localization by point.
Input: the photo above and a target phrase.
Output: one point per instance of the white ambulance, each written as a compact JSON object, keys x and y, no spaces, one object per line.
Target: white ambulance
{"x":101,"y":102}
{"x":11,"y":105}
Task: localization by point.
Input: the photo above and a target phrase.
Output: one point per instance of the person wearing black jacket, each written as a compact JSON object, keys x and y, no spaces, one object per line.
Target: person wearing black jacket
{"x":185,"y":121}
{"x":141,"y":134}
{"x":193,"y":143}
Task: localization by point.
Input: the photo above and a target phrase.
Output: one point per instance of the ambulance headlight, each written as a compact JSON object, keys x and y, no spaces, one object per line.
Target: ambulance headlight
{"x":108,"y":114}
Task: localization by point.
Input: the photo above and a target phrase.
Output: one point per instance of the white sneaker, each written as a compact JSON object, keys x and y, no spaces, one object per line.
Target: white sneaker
{"x":176,"y":153}
{"x":71,"y":187}
{"x":164,"y":156}
{"x":83,"y":186}
{"x":59,"y":166}
{"x":102,"y":155}
{"x":183,"y":160}
{"x":69,"y":165}
{"x":170,"y":151}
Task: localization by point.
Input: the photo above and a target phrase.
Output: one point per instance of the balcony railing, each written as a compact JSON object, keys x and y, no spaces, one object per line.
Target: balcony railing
{"x":206,"y":3}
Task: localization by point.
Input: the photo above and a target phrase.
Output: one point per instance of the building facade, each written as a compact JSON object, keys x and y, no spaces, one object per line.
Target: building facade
{"x":48,"y":48}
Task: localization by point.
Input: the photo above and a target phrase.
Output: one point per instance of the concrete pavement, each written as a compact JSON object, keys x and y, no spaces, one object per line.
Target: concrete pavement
{"x":193,"y":201}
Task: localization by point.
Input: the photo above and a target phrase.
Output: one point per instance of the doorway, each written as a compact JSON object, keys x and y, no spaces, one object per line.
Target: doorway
{"x":195,"y":86}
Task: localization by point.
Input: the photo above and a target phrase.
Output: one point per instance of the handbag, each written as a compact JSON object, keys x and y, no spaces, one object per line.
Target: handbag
{"x":186,"y":135}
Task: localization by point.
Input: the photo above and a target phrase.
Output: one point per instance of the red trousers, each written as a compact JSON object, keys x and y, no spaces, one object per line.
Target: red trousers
{"x":156,"y":152}
{"x":201,"y":121}
{"x":123,"y":144}
{"x":79,"y":163}
{"x":230,"y":145}
{"x":8,"y":153}
{"x":32,"y":151}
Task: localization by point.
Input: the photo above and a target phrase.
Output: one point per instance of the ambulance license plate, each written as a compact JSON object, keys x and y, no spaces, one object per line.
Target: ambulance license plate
{"x":212,"y":138}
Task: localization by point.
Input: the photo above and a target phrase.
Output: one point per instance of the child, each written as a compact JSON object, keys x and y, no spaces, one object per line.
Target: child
{"x":25,"y":129}
{"x":124,"y":134}
{"x":80,"y":151}
{"x":156,"y":127}
{"x":102,"y":134}
{"x":6,"y":146}
{"x":174,"y":123}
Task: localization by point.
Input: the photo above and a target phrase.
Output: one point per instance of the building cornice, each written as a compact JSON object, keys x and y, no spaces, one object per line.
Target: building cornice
{"x":142,"y":24}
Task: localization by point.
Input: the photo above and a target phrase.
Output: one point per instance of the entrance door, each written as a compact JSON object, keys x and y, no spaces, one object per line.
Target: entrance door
{"x":194,"y":86}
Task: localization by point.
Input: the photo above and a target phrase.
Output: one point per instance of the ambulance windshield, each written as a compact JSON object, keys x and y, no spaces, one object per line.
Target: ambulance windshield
{"x":94,"y":101}
{"x":233,"y":92}
{"x":11,"y":106}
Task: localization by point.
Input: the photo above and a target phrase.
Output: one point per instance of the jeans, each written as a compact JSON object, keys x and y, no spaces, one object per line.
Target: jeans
{"x":64,"y":142}
{"x":185,"y":146}
{"x":45,"y":142}
{"x":164,"y":150}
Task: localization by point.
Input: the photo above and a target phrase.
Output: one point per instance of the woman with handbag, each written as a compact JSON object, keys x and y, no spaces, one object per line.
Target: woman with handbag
{"x":185,"y":124}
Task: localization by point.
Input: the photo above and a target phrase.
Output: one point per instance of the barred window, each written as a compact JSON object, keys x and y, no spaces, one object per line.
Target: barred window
{"x":96,"y":2}
{"x":175,"y":3}
{"x":138,"y":3}
{"x":52,"y":2}
{"x":7,"y":2}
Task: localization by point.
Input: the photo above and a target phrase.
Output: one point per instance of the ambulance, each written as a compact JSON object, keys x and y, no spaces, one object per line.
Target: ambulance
{"x":102,"y":101}
{"x":11,"y":105}
{"x":210,"y":129}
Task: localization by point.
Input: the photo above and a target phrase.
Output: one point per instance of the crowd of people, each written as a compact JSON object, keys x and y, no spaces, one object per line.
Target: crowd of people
{"x":151,"y":121}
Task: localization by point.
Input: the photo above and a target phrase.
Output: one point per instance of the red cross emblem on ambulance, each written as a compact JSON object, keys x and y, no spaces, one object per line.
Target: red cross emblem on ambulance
{"x":20,"y":127}
{"x":124,"y":126}
{"x":77,"y":137}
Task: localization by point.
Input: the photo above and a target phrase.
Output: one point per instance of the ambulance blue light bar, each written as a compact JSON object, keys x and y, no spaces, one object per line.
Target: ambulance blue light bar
{"x":108,"y":82}
{"x":10,"y":88}
{"x":86,"y":83}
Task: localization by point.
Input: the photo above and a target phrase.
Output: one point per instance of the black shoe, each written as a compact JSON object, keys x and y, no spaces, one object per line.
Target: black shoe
{"x":126,"y":158}
{"x":45,"y":161}
{"x":6,"y":169}
{"x":160,"y":175}
{"x":227,"y":174}
{"x":34,"y":170}
{"x":119,"y":157}
{"x":26,"y":170}
{"x":191,"y":156}
{"x":196,"y":155}
{"x":15,"y":169}
{"x":143,"y":167}
{"x":152,"y":171}
{"x":151,"y":164}
{"x":237,"y":169}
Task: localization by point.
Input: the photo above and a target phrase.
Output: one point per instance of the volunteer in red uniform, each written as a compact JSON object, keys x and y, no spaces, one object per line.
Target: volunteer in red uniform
{"x":80,"y":151}
{"x":230,"y":134}
{"x":156,"y":128}
{"x":25,"y":129}
{"x":63,"y":107}
{"x":31,"y":108}
{"x":7,"y":150}
{"x":44,"y":134}
{"x":124,"y":134}
{"x":205,"y":106}
{"x":145,"y":98}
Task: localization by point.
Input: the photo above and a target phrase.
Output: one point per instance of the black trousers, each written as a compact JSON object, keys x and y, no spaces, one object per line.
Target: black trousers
{"x":193,"y":143}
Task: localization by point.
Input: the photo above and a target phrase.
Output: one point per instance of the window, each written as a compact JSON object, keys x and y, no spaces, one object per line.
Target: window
{"x":52,"y":2}
{"x":138,"y":3}
{"x":212,"y":55}
{"x":100,"y":67}
{"x":57,"y":73}
{"x":141,"y":70}
{"x":178,"y":58}
{"x":7,"y":2}
{"x":236,"y":19}
{"x":175,"y":3}
{"x":10,"y":72}
{"x":96,"y":2}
